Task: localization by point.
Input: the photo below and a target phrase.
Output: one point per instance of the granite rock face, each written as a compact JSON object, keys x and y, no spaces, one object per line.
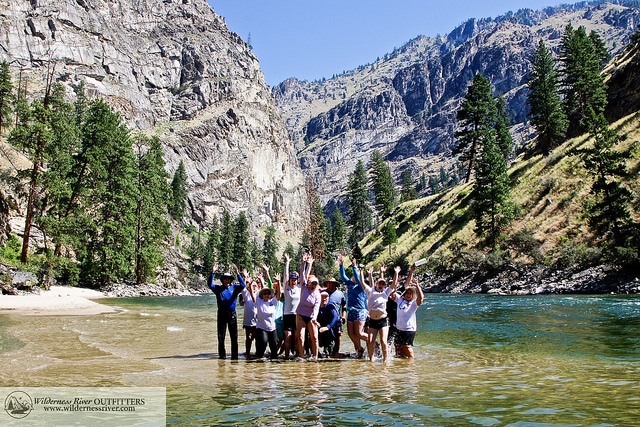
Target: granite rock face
{"x":405,"y":103}
{"x":172,"y":69}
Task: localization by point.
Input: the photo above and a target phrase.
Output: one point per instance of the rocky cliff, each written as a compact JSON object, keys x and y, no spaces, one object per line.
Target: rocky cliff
{"x":405,"y":103}
{"x":172,"y":69}
{"x":623,"y":81}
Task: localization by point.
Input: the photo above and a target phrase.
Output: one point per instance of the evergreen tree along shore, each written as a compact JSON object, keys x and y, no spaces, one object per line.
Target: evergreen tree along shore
{"x":552,"y":215}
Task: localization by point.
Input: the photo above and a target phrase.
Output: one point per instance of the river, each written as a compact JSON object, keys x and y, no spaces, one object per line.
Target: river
{"x":480,"y":360}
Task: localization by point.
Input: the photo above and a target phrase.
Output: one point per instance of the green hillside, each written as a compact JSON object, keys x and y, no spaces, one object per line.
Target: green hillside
{"x":551,"y":228}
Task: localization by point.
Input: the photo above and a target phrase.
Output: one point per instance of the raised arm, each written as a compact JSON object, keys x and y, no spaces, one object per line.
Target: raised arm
{"x":266,"y":274}
{"x":383,"y":270}
{"x":214,"y":268}
{"x":343,"y":275}
{"x":356,"y":273}
{"x":302,"y":278}
{"x":396,"y":275}
{"x":306,"y":267}
{"x":310,"y":261}
{"x":419,"y":293}
{"x":287,"y":261}
{"x":252,"y":292}
{"x":363,"y":283}
{"x":240,"y":278}
{"x":278,"y":286}
{"x":410,"y":275}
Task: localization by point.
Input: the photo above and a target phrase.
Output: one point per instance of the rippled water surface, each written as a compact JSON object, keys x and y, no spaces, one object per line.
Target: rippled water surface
{"x":480,"y":360}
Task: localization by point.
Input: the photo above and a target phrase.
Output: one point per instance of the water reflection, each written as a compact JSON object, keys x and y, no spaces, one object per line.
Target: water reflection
{"x":481,"y":360}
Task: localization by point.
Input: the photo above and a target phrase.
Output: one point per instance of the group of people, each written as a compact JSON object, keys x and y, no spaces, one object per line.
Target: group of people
{"x":298,"y":317}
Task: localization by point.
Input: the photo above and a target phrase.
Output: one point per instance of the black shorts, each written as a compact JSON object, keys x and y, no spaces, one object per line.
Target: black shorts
{"x":405,"y":338}
{"x":289,"y":321}
{"x":305,"y":319}
{"x":378,"y":324}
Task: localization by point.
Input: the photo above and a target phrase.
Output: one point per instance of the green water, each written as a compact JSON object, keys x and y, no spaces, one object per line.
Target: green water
{"x":480,"y":360}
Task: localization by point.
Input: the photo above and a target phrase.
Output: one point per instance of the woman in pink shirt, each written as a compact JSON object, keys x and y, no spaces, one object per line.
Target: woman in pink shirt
{"x":307,"y":310}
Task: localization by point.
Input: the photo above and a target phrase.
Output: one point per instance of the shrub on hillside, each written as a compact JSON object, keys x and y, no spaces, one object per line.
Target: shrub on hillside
{"x":573,"y":255}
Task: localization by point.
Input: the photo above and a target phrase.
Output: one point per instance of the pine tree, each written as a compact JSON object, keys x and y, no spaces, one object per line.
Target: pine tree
{"x":293,"y":256}
{"x":227,"y":242}
{"x":58,"y":177}
{"x":583,"y":83}
{"x":257,"y":257}
{"x":434,"y":184}
{"x":74,"y":171}
{"x":356,"y":253}
{"x":547,"y":115}
{"x":317,"y":225}
{"x":270,"y":249}
{"x":242,"y":255}
{"x":476,"y":115}
{"x":384,"y":188}
{"x":338,"y":231}
{"x":34,"y":135}
{"x":110,"y":236}
{"x":178,"y":199}
{"x":389,"y":235}
{"x":443,"y":178}
{"x":408,"y":187}
{"x":600,"y":49}
{"x":422,"y":184}
{"x":210,"y":254}
{"x":502,"y":125}
{"x":492,"y":209}
{"x":358,"y":203}
{"x":610,"y":213}
{"x":6,"y":96}
{"x":153,"y":192}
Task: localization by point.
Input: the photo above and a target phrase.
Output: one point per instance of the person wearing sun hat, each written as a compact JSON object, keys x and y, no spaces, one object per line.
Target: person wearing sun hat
{"x":328,"y":326}
{"x":266,"y":304}
{"x":226,"y":296}
{"x":406,"y":323}
{"x":336,"y":298}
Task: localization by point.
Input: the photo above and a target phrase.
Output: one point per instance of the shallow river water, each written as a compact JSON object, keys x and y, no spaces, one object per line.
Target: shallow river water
{"x":480,"y":360}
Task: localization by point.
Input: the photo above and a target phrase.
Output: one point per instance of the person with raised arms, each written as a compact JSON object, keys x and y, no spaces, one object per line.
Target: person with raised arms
{"x":377,"y":296}
{"x":308,"y":308}
{"x":406,"y":323}
{"x":356,"y":307}
{"x":291,"y":290}
{"x":266,"y":305}
{"x":226,"y":296}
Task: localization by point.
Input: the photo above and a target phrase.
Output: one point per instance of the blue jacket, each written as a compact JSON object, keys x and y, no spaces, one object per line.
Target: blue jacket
{"x":226,"y":297}
{"x":329,"y":317}
{"x":356,"y":296}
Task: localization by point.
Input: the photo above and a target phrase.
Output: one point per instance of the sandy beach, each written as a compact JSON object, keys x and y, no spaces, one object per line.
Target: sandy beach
{"x":59,"y":300}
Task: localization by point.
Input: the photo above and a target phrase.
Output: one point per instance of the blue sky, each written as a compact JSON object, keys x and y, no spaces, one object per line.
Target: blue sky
{"x":315,"y":39}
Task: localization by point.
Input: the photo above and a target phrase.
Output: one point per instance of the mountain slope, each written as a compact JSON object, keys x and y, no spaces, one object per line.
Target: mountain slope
{"x":172,"y":69}
{"x":550,"y":230}
{"x":405,"y":103}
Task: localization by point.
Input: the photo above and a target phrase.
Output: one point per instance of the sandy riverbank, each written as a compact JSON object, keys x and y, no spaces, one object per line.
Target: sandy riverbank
{"x":59,"y":300}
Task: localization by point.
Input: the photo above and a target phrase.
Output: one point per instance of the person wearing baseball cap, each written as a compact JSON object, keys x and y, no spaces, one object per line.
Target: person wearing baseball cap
{"x":291,"y":291}
{"x":337,"y":299}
